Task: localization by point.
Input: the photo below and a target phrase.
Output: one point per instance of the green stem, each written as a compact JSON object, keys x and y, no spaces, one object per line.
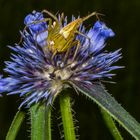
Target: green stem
{"x":111,"y":125}
{"x":67,"y":119}
{"x":15,"y":126}
{"x":40,"y":122}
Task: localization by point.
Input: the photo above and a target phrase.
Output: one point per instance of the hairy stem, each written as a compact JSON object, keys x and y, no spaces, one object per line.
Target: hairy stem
{"x":67,"y":119}
{"x":40,"y":122}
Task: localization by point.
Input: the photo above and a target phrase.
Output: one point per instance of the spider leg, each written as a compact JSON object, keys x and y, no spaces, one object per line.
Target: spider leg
{"x":49,"y":28}
{"x":89,"y":39}
{"x":66,"y":55}
{"x":80,"y":33}
{"x":92,"y":14}
{"x":54,"y":53}
{"x":77,"y":43}
{"x":50,"y":14}
{"x":35,"y":22}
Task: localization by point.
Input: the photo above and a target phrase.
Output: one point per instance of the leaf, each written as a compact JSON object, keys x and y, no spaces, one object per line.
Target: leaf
{"x":15,"y":126}
{"x":98,"y":94}
{"x":111,"y":125}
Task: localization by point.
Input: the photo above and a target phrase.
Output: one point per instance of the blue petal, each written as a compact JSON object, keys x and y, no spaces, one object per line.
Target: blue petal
{"x":98,"y":35}
{"x":7,"y":84}
{"x":37,"y":17}
{"x":103,"y":30}
{"x":37,"y":27}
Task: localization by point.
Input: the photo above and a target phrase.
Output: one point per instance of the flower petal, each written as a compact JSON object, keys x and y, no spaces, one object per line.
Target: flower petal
{"x":98,"y":35}
{"x":37,"y":26}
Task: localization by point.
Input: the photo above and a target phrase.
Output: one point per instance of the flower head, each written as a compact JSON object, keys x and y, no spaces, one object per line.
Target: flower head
{"x":38,"y":77}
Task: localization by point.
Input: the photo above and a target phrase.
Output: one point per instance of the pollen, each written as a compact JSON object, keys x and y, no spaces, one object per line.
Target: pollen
{"x":60,"y":76}
{"x":56,"y":86}
{"x":47,"y":73}
{"x":63,"y":74}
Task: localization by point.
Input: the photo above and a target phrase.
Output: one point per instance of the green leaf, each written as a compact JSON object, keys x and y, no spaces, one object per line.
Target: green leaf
{"x":15,"y":126}
{"x":40,"y":122}
{"x":98,"y":94}
{"x":111,"y":125}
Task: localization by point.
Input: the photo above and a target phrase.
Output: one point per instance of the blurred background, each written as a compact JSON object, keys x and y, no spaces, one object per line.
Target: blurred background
{"x":123,"y":17}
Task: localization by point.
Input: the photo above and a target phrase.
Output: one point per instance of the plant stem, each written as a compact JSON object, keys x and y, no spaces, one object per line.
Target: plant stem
{"x":67,"y":119}
{"x":111,"y":125}
{"x":40,"y":122}
{"x":15,"y":126}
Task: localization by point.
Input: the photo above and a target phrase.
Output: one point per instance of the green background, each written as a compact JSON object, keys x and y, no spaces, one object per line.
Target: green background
{"x":123,"y":16}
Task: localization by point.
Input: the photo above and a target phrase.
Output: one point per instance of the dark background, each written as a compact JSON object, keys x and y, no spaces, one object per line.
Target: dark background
{"x":123,"y":17}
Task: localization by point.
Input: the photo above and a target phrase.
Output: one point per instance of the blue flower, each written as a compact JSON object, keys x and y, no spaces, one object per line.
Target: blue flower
{"x":35,"y":22}
{"x":98,"y":35}
{"x":37,"y":77}
{"x":37,"y":25}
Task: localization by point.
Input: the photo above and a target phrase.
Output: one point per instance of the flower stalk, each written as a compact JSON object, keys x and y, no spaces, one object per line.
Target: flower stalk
{"x":67,"y":119}
{"x":40,"y":122}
